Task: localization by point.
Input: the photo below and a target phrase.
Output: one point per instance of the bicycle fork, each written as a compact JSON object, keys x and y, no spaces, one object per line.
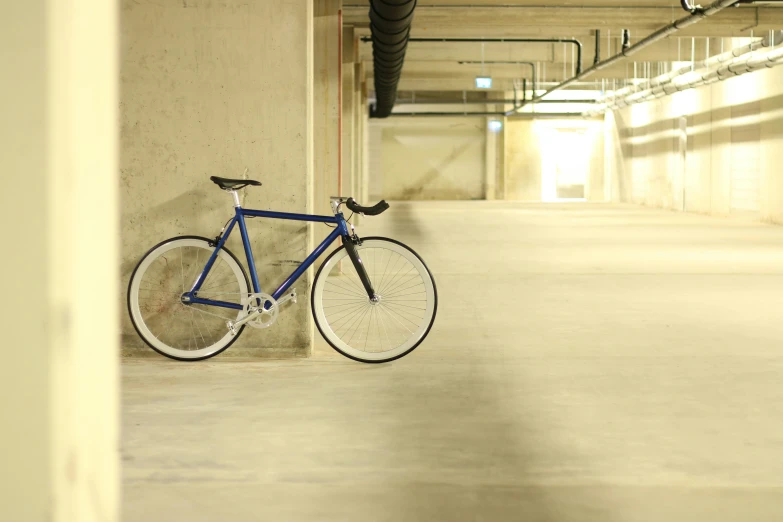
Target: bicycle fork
{"x":350,"y":246}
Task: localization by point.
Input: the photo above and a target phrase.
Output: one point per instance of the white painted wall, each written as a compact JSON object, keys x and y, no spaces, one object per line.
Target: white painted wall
{"x":714,"y":150}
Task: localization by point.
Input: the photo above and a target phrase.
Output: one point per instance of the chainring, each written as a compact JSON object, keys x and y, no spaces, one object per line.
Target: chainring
{"x":268,"y":307}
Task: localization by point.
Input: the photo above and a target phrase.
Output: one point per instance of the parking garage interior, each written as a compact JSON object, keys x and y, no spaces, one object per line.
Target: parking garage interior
{"x":593,"y":184}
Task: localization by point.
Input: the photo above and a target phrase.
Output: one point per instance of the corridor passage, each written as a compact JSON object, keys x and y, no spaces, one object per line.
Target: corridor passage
{"x":589,"y":363}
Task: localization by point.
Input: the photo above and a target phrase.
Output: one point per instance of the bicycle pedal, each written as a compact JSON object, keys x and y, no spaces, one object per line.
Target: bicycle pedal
{"x":231,"y":329}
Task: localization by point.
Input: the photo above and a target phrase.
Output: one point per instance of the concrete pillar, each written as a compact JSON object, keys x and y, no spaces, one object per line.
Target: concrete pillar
{"x":210,"y":88}
{"x":326,"y":84}
{"x":500,"y":163}
{"x":720,"y":153}
{"x":363,"y":180}
{"x":59,"y":379}
{"x":357,"y":126}
{"x":771,"y":147}
{"x":348,"y":106}
{"x":363,"y":183}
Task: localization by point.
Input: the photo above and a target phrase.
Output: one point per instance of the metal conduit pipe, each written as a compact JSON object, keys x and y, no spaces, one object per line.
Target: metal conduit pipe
{"x":597,"y":58}
{"x":572,"y":41}
{"x":537,"y":115}
{"x":390,"y":24}
{"x":393,"y":66}
{"x":740,"y":66}
{"x":483,"y":102}
{"x":737,"y":62}
{"x":658,"y":35}
{"x":770,"y":41}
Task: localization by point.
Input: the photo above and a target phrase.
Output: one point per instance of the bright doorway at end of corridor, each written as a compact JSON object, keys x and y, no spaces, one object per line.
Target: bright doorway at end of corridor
{"x":554,"y":160}
{"x":565,"y":160}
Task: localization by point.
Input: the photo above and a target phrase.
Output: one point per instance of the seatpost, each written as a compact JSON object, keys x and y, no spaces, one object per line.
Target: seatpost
{"x":235,"y":195}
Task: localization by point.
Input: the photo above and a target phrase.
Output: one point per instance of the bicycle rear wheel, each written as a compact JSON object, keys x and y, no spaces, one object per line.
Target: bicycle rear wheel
{"x":183,"y":332}
{"x":367,"y":331}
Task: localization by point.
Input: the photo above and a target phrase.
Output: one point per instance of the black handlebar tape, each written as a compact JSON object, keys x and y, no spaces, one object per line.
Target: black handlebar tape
{"x":374,"y":210}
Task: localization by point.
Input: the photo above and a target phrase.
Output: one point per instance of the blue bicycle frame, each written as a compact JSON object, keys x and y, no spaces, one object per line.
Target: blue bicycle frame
{"x":341,"y":229}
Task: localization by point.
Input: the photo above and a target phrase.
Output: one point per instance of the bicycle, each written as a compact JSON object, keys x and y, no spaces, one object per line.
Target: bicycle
{"x":375,"y":306}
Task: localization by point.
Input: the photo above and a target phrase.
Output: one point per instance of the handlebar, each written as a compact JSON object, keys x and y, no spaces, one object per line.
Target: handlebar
{"x":374,"y":210}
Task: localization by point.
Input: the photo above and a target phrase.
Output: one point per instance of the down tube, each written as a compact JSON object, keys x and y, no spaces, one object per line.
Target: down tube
{"x":307,"y":262}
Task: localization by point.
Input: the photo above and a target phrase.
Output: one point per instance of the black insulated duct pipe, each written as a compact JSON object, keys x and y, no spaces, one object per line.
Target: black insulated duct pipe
{"x":390,"y":24}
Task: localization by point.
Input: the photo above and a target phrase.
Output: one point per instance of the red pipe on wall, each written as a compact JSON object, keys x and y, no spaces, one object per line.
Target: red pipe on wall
{"x":340,"y":102}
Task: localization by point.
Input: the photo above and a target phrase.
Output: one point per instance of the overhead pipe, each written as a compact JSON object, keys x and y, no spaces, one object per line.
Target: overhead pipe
{"x":390,"y":25}
{"x":572,"y":41}
{"x":658,"y":35}
{"x":532,"y":114}
{"x":690,"y":80}
{"x":482,"y":102}
{"x":772,"y":40}
{"x":736,"y":62}
{"x":597,"y":58}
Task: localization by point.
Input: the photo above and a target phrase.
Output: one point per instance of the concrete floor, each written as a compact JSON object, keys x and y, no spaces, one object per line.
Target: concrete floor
{"x":588,"y":363}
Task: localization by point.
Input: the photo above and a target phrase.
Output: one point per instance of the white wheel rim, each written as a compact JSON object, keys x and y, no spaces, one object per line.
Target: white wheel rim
{"x":415,"y":336}
{"x":138,"y":317}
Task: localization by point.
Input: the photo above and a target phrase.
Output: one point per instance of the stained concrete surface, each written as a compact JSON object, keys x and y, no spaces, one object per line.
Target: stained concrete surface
{"x":588,"y":363}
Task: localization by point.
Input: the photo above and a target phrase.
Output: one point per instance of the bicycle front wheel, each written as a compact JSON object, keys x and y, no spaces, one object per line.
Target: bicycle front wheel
{"x":186,"y":332}
{"x":382,"y":330}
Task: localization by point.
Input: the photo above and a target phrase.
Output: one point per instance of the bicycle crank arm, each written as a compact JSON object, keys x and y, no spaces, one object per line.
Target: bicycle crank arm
{"x":290,"y":296}
{"x":233,"y":326}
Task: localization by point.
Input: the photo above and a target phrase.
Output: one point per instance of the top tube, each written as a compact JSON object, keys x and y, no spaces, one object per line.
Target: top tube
{"x":291,"y":216}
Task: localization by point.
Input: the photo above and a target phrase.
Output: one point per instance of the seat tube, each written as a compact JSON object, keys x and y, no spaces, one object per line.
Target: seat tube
{"x":251,"y":264}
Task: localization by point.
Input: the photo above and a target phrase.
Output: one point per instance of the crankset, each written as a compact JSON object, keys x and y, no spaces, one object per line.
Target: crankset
{"x":260,"y":311}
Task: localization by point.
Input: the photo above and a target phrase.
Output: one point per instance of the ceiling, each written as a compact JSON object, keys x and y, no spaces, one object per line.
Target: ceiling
{"x":433,"y":68}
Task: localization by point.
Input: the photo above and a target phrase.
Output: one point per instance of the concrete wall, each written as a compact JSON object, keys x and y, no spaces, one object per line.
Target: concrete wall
{"x":213,"y":88}
{"x":523,"y":161}
{"x":428,"y":158}
{"x":713,"y":150}
{"x":59,"y":380}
